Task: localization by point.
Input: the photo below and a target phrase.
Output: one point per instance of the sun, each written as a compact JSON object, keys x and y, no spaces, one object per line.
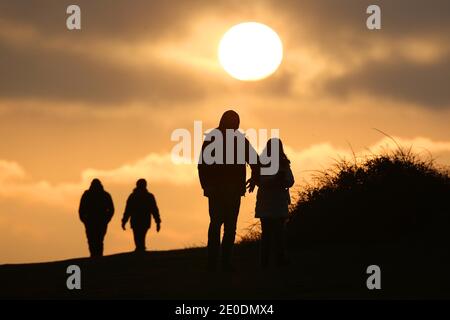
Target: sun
{"x":250,"y":51}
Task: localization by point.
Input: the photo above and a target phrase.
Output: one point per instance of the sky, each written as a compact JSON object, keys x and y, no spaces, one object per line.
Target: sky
{"x":103,"y":102}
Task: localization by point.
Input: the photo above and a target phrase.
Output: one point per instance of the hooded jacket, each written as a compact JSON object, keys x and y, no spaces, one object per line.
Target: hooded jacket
{"x":96,"y":206}
{"x":140,"y":207}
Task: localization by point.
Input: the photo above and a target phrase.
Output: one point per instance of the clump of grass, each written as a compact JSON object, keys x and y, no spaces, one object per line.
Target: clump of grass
{"x":251,"y":235}
{"x":393,"y":196}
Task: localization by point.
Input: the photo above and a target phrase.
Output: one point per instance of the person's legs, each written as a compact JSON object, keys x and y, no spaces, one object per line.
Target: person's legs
{"x":90,"y":234}
{"x":266,"y":240}
{"x":100,"y":236}
{"x":216,"y":220}
{"x":136,"y":238}
{"x":231,"y":207}
{"x":144,"y":236}
{"x":96,"y":242}
{"x":139,"y":238}
{"x":279,"y":241}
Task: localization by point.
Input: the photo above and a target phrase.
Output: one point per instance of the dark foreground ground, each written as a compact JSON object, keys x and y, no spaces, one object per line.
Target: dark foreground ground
{"x":330,"y":272}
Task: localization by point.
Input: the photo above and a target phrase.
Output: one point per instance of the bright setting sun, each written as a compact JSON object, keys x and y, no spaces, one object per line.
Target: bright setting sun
{"x":250,"y":51}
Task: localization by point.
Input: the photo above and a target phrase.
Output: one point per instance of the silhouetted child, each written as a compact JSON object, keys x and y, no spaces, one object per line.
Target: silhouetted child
{"x":272,"y":201}
{"x":141,"y":206}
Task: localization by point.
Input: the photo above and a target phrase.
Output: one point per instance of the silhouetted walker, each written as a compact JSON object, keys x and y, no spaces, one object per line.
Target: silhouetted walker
{"x":141,"y":206}
{"x":224,"y":184}
{"x":96,"y":210}
{"x":272,"y":201}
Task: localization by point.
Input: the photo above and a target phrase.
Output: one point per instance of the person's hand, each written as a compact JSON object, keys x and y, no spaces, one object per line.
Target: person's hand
{"x":250,"y":185}
{"x":123,"y":225}
{"x":158,"y":227}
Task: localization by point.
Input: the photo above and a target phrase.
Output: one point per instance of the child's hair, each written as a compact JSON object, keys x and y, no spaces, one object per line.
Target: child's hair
{"x":282,"y":156}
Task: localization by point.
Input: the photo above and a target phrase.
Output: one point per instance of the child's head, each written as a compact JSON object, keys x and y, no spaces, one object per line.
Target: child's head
{"x":272,"y":156}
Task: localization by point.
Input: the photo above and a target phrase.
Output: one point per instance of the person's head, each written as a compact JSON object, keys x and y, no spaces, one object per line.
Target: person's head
{"x":141,"y":184}
{"x":230,"y":120}
{"x":96,"y":185}
{"x":273,"y":156}
{"x":276,"y":146}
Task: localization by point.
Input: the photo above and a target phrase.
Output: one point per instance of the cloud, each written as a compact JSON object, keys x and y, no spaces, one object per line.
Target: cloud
{"x":46,"y":74}
{"x":159,"y":169}
{"x":132,"y":51}
{"x":332,"y":23}
{"x":16,"y":184}
{"x":10,"y":171}
{"x":407,"y":60}
{"x":418,"y":144}
{"x":123,"y":56}
{"x":420,"y":84}
{"x":119,"y":19}
{"x":155,"y":167}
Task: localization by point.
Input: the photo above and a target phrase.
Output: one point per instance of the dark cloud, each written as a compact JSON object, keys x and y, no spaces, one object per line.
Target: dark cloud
{"x":338,"y":30}
{"x":341,"y":20}
{"x":329,"y":19}
{"x":422,"y":84}
{"x":279,"y":84}
{"x":44,"y":74}
{"x":110,"y":19}
{"x":115,"y":19}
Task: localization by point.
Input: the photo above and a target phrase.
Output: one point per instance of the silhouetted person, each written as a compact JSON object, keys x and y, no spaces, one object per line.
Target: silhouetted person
{"x":141,"y":206}
{"x":96,"y":210}
{"x":272,"y":201}
{"x":224,"y":184}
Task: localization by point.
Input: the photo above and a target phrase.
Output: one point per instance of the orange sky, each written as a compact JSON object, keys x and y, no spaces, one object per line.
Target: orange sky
{"x":103,"y":102}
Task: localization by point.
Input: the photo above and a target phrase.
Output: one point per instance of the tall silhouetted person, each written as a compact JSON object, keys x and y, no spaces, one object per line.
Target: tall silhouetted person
{"x":272,"y":201}
{"x":141,"y":206}
{"x":96,"y":210}
{"x":224,"y":183}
